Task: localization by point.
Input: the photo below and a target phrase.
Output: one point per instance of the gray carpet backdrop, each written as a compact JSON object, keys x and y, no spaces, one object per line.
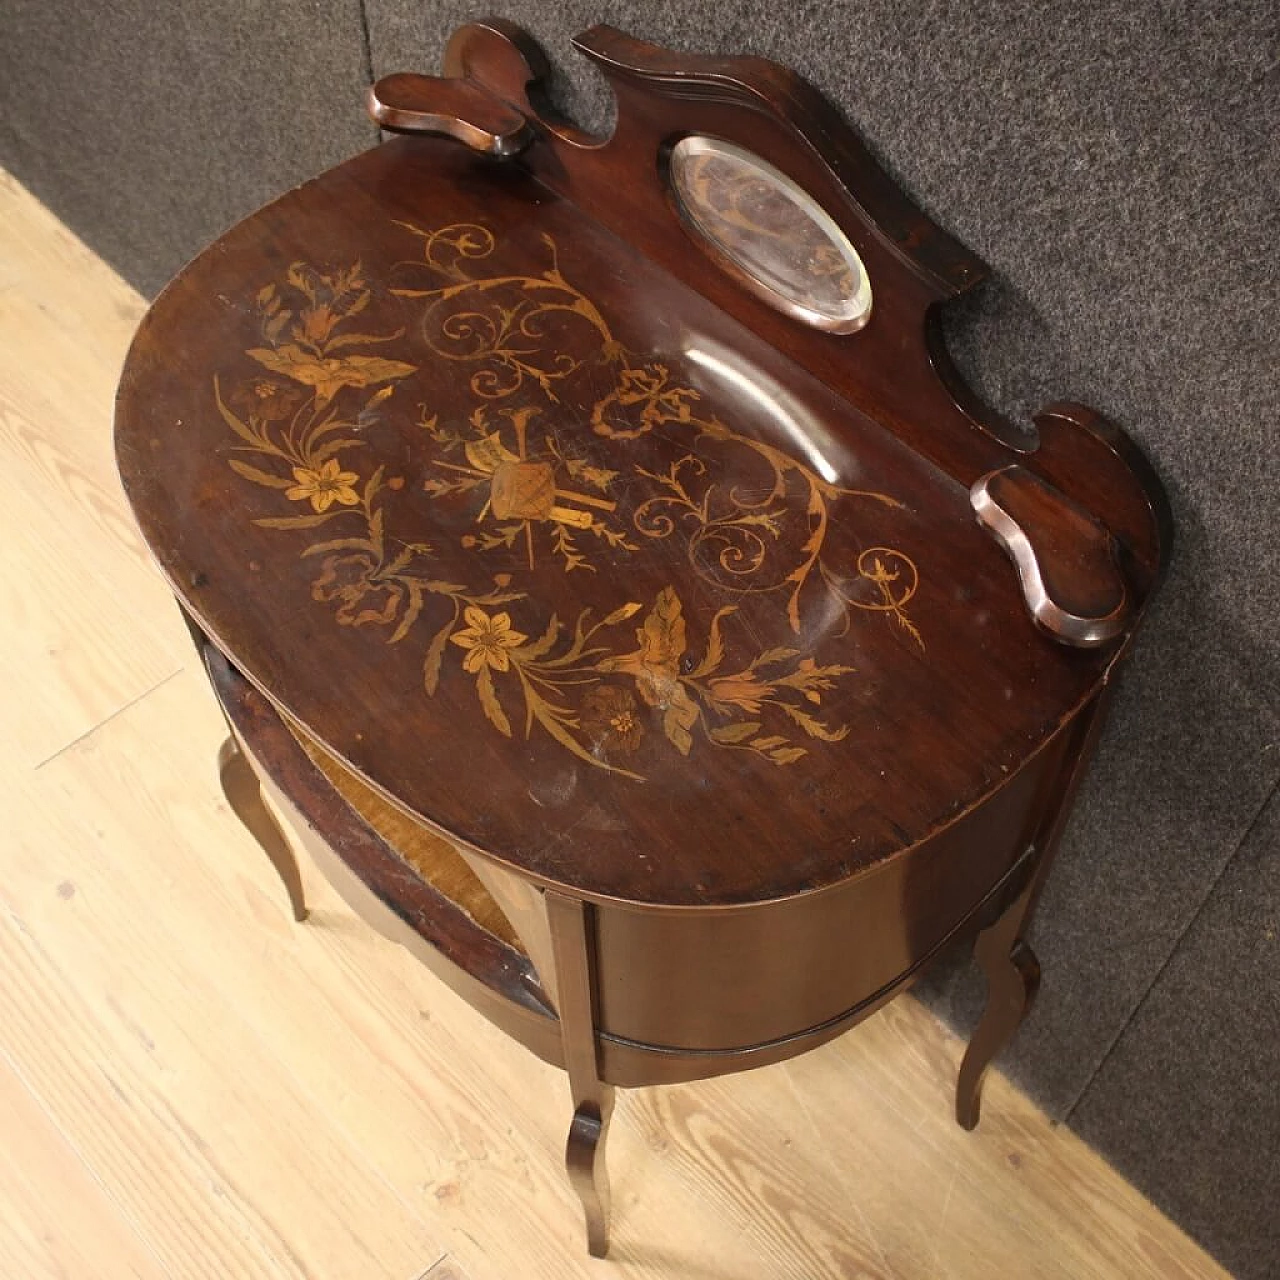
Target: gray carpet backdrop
{"x":1115,"y":163}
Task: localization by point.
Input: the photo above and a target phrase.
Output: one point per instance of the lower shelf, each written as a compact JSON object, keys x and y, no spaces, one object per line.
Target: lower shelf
{"x":417,"y":891}
{"x":435,"y":860}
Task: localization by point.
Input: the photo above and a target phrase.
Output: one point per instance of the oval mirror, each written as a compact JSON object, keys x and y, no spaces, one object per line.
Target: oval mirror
{"x":770,"y":233}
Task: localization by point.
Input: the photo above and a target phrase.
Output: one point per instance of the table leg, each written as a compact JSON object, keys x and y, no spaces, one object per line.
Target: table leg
{"x":573,"y":949}
{"x":1007,"y":961}
{"x":243,"y":791}
{"x":1013,"y":978}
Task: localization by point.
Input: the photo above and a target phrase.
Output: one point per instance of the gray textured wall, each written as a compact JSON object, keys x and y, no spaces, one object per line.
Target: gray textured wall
{"x":1115,"y":163}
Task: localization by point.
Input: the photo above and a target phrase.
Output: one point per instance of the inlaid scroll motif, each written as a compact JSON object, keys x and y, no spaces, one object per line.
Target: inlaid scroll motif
{"x":319,"y":384}
{"x":769,"y":538}
{"x":505,"y":324}
{"x":749,"y":538}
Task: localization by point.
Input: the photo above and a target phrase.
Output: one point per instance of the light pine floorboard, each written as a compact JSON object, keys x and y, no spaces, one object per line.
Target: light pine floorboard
{"x":192,"y":1086}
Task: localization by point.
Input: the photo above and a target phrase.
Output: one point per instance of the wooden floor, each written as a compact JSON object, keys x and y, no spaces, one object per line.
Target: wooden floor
{"x":191,"y":1085}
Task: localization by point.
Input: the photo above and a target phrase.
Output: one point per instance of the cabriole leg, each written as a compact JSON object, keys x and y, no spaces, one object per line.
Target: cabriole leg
{"x":1007,"y":961}
{"x":243,"y":791}
{"x":585,"y":1159}
{"x":1013,"y":978}
{"x":573,"y":948}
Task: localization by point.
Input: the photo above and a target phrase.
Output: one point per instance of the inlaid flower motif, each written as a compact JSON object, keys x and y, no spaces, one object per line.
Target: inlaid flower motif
{"x":363,"y":599}
{"x":656,"y":664}
{"x":324,"y":486}
{"x":597,"y":688}
{"x":609,"y":717}
{"x":317,"y":323}
{"x":487,"y":640}
{"x":656,"y":667}
{"x":745,"y":690}
{"x":267,"y":399}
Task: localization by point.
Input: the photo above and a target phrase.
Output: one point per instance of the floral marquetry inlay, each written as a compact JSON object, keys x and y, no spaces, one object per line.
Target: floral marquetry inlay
{"x":532,"y":478}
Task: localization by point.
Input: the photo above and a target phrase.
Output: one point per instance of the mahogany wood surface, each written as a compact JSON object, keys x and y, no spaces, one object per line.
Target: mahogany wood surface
{"x":572,"y":927}
{"x":243,"y":790}
{"x":731,"y":992}
{"x":745,"y":662}
{"x":338,"y":568}
{"x":1065,"y":558}
{"x":455,"y":108}
{"x":490,"y":974}
{"x":309,"y":1071}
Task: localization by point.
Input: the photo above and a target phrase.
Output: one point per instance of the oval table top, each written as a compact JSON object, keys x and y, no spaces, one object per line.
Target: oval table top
{"x":562,"y":558}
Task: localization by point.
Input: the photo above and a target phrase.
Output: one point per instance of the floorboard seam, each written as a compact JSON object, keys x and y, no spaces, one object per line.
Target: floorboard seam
{"x":121,"y":1209}
{"x":426,"y":1275}
{"x":1173,"y":951}
{"x":106,"y":720}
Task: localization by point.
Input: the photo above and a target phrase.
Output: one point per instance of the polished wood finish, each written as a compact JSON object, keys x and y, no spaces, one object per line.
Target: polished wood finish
{"x":574,"y":949}
{"x":1008,"y":963}
{"x":174,"y":1052}
{"x":1066,"y":560}
{"x":1013,"y":979}
{"x":435,"y":860}
{"x":520,"y":537}
{"x":243,"y":791}
{"x":454,"y":108}
{"x":376,"y":881}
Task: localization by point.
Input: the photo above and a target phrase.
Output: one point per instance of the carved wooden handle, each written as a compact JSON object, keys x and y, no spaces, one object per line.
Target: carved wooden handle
{"x":1066,"y":560}
{"x":461,"y":109}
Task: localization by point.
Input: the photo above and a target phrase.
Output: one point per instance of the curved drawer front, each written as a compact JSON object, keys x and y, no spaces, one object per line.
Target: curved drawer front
{"x":741,"y":977}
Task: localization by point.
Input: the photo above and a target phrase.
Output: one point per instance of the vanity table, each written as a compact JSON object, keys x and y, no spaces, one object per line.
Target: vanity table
{"x":608,"y":579}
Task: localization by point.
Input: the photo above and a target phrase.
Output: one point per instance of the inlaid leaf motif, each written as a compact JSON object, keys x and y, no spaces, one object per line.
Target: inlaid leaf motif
{"x":435,"y":656}
{"x":622,"y":613}
{"x":732,"y":734}
{"x":542,"y":645}
{"x":715,"y":644}
{"x":813,"y":726}
{"x":489,"y":701}
{"x":534,"y":481}
{"x":679,"y":717}
{"x":259,"y":477}
{"x":412,"y":610}
{"x":299,"y":522}
{"x":255,"y":441}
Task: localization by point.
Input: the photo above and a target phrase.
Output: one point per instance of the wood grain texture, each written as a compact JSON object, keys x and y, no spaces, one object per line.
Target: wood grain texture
{"x":196,"y":1088}
{"x":243,"y":792}
{"x":456,"y":108}
{"x":576,"y":524}
{"x":43,"y":1238}
{"x":65,"y":522}
{"x":1066,"y":560}
{"x":429,"y":856}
